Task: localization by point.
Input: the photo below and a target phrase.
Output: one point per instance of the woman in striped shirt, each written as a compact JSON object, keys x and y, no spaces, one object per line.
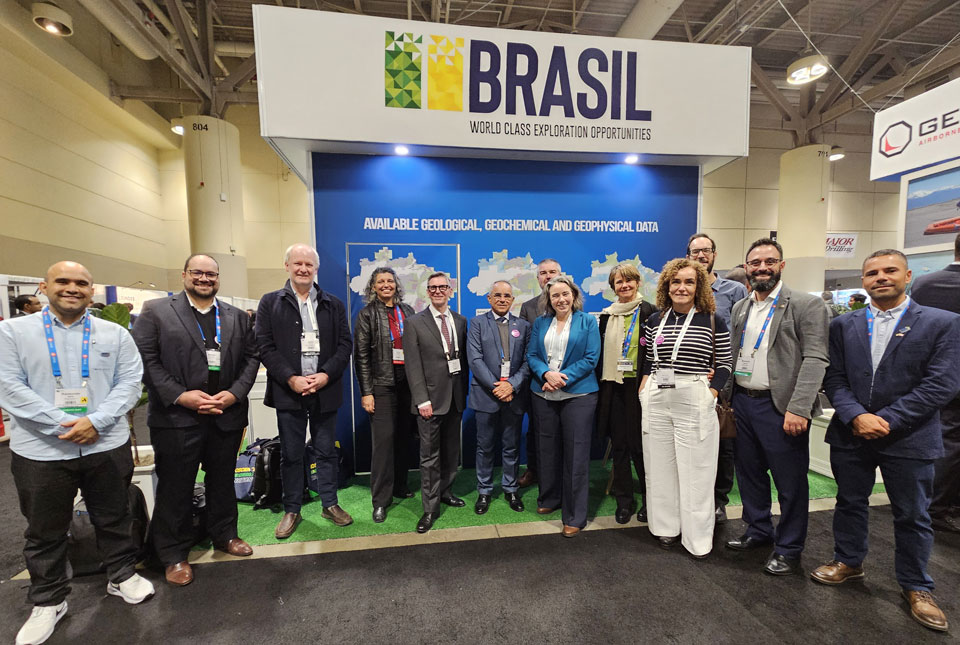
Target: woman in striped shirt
{"x":686,"y":366}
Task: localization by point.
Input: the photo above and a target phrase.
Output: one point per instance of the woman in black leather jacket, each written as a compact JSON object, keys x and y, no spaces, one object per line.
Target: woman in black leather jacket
{"x":385,"y":395}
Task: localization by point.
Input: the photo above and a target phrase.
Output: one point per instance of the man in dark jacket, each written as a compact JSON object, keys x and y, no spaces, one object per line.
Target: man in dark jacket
{"x":305,"y":344}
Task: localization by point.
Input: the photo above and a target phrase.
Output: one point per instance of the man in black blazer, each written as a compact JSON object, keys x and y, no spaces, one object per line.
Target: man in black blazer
{"x":941,"y":289}
{"x":893,"y":365}
{"x":547,"y":270}
{"x":305,"y":344}
{"x":199,"y":363}
{"x":436,"y":368}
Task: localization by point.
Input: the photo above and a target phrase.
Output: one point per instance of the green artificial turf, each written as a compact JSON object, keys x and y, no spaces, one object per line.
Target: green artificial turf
{"x":256,"y":527}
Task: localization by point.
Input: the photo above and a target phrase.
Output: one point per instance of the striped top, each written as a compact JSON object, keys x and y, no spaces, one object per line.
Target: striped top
{"x":697,"y":347}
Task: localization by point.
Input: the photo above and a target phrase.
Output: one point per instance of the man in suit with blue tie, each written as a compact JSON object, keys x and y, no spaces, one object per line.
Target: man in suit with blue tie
{"x":497,"y":354}
{"x":893,"y":365}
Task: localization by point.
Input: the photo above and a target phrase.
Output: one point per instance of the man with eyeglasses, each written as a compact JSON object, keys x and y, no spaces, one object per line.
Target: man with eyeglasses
{"x":701,"y":248}
{"x":547,"y":270}
{"x":780,"y":348}
{"x":200,"y":361}
{"x":435,"y":361}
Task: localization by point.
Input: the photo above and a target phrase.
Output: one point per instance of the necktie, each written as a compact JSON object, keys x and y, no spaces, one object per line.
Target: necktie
{"x":446,"y":334}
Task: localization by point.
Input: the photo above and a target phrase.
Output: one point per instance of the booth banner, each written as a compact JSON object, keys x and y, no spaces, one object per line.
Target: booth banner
{"x":841,"y":245}
{"x":917,"y":133}
{"x":335,"y":77}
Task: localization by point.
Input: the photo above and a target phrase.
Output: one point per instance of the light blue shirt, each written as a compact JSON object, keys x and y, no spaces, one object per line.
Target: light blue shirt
{"x":308,"y":362}
{"x":883,"y":329}
{"x":27,"y":384}
{"x":726,"y":293}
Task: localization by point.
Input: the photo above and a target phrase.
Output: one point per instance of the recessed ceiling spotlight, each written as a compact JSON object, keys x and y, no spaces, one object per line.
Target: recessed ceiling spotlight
{"x":401,"y":150}
{"x":837,"y":153}
{"x":631,"y":159}
{"x":52,"y":19}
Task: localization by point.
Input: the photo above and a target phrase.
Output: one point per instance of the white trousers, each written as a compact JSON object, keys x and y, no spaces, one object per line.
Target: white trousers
{"x":681,"y":441}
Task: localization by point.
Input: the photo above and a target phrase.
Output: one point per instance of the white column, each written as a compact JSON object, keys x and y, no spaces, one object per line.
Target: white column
{"x":802,"y":219}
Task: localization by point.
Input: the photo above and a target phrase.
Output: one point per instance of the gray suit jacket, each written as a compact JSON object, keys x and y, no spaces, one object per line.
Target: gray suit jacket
{"x":797,"y":356}
{"x":426,"y":365}
{"x":529,"y":310}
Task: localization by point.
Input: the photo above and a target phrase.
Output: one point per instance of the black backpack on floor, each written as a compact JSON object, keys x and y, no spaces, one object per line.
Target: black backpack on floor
{"x":267,"y":485}
{"x":82,"y":553}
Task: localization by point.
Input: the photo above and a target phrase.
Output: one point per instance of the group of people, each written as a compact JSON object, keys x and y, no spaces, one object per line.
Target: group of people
{"x":647,"y":375}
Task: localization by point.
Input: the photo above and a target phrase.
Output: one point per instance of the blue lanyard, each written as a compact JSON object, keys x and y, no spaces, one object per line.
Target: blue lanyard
{"x":870,"y":324}
{"x":52,"y":346}
{"x":216,"y":311}
{"x":629,"y":336}
{"x":398,"y":312}
{"x":763,"y":330}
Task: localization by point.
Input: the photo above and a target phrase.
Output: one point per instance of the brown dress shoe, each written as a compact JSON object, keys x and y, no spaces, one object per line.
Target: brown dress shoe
{"x":545,"y":510}
{"x":337,"y":515}
{"x":236,"y":547}
{"x":834,"y":573}
{"x":529,"y":478}
{"x":287,"y":525}
{"x":925,"y":611}
{"x":570,"y":531}
{"x":179,"y":574}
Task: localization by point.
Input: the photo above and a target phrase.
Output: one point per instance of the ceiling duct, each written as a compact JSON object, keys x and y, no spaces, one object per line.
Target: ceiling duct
{"x":118,"y":25}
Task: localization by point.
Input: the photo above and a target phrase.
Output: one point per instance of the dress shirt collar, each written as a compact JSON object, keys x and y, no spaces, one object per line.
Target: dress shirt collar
{"x":206,"y":309}
{"x":892,"y":313}
{"x":434,"y":312}
{"x":59,"y":323}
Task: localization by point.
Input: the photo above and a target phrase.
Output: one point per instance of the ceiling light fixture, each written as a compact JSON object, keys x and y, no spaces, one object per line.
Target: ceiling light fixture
{"x":807,"y":69}
{"x":52,"y":19}
{"x":837,"y":153}
{"x":631,"y":159}
{"x":176,"y":126}
{"x":401,"y":150}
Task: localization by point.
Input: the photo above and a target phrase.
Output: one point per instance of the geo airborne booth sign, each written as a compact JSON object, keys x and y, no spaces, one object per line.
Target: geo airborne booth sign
{"x":334,"y":77}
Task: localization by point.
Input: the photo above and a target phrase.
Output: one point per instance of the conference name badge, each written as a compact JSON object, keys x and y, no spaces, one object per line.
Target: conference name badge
{"x":744,"y":365}
{"x":213,"y":360}
{"x":666,"y":378}
{"x":310,"y":343}
{"x":397,"y":355}
{"x":72,"y":400}
{"x":454,"y":365}
{"x":504,"y":370}
{"x":624,"y":365}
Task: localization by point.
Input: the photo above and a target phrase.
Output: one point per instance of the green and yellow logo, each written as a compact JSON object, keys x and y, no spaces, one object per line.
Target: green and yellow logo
{"x":403,"y":68}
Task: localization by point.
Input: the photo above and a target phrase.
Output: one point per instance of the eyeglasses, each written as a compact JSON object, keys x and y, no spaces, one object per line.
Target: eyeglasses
{"x":695,"y":252}
{"x":435,"y":288}
{"x":197,"y":274}
{"x":770,"y":262}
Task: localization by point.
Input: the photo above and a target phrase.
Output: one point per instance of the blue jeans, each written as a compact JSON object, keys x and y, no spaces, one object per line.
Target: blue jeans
{"x":489,"y":424}
{"x":293,"y":431}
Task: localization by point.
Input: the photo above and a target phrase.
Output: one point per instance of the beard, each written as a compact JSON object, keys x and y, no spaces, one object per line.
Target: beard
{"x":764,"y":283}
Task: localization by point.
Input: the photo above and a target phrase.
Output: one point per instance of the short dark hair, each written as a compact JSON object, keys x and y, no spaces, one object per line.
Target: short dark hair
{"x":765,"y":241}
{"x":858,"y":297}
{"x":956,"y":247}
{"x":197,"y":255}
{"x":22,"y":301}
{"x":697,"y":236}
{"x":883,"y":252}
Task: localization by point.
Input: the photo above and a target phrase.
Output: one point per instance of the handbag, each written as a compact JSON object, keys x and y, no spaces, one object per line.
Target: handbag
{"x":728,"y":423}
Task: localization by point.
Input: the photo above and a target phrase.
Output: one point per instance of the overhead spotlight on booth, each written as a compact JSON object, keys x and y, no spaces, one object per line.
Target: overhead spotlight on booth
{"x":401,"y":150}
{"x":631,"y":159}
{"x":52,"y":19}
{"x":807,"y":69}
{"x":837,"y":153}
{"x":176,"y":126}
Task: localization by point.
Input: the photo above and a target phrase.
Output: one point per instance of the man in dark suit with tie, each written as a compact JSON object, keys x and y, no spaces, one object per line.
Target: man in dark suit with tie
{"x":499,"y":391}
{"x":200,"y":361}
{"x":436,"y":368}
{"x":893,"y":365}
{"x":941,"y":289}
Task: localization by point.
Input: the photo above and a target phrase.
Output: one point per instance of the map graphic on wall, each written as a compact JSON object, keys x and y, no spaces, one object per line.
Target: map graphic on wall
{"x":598,"y":283}
{"x":520,"y":272}
{"x":413,"y":268}
{"x":933,"y":210}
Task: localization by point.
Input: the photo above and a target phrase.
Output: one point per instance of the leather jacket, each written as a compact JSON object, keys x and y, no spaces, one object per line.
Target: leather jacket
{"x":373,"y":351}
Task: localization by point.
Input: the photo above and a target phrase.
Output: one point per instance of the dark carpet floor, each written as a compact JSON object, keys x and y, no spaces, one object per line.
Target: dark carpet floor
{"x":612,"y":586}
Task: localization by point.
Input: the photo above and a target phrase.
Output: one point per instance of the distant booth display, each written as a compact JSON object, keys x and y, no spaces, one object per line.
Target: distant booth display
{"x":436,"y":147}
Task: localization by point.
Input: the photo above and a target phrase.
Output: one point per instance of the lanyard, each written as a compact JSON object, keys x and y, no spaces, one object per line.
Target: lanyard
{"x":313,"y":314}
{"x":216,"y":311}
{"x":398,"y":312}
{"x":763,"y":330}
{"x":676,"y":345}
{"x":52,"y":346}
{"x":870,"y":324}
{"x":629,"y":336}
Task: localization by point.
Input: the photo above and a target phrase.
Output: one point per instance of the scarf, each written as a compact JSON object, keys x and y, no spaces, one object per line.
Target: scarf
{"x":614,"y":335}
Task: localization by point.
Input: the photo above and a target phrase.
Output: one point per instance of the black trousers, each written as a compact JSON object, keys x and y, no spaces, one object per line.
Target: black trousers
{"x":532,"y":444}
{"x":179,"y":453}
{"x":726,"y":469}
{"x":439,"y":455}
{"x":391,"y":433}
{"x":625,"y":441}
{"x":46,"y":490}
{"x":292,"y":425}
{"x":946,"y":481}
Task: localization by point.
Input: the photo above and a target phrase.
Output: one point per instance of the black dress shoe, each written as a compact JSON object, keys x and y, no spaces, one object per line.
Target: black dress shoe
{"x":379,"y":514}
{"x":403,"y":493}
{"x":642,"y":514}
{"x":668,"y":542}
{"x":782,"y":565}
{"x":946,"y":524}
{"x":514,"y":500}
{"x":746,"y":543}
{"x":452,"y":500}
{"x":624,"y":513}
{"x":425,"y":523}
{"x":482,"y":505}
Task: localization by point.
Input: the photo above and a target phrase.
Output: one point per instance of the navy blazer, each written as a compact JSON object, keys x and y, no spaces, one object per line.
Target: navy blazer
{"x":940,"y":289}
{"x":278,"y":338}
{"x":580,"y":359}
{"x":916,"y":377}
{"x":483,"y":355}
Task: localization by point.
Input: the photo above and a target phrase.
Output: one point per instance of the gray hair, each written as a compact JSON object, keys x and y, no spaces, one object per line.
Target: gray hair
{"x":370,"y":294}
{"x":545,"y":303}
{"x":286,"y":254}
{"x":496,"y":282}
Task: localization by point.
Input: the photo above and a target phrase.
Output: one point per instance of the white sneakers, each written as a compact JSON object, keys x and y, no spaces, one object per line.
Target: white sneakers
{"x":133,"y":590}
{"x":41,"y":623}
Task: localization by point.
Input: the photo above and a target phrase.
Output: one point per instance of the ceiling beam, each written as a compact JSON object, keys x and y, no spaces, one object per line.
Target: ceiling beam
{"x":205,"y":39}
{"x":243,"y":73}
{"x":154,"y":94}
{"x":923,"y":16}
{"x":578,"y":15}
{"x":507,"y":11}
{"x":356,"y":5}
{"x":775,"y":96}
{"x":745,"y":14}
{"x":716,"y":20}
{"x":857,"y":13}
{"x":647,"y":18}
{"x":795,"y":8}
{"x":859,"y":54}
{"x":178,"y":16}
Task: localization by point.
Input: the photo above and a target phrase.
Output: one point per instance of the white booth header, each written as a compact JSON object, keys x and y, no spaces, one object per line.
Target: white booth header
{"x":917,"y":133}
{"x":339,"y":78}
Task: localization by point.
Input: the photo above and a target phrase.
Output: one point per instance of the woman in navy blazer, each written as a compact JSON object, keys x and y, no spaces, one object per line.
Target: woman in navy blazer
{"x":563,"y":353}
